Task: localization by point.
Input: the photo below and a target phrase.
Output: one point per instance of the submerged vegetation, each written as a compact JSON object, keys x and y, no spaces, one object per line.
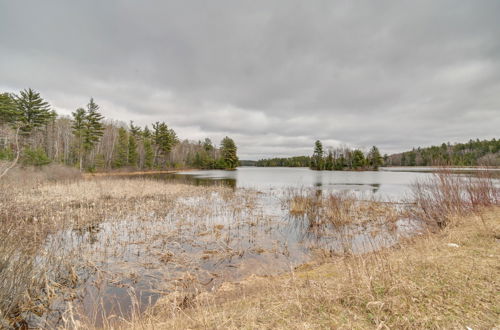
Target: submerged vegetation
{"x":31,"y":133}
{"x":447,"y":280}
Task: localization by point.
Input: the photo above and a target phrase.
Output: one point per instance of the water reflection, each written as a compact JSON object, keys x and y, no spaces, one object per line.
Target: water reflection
{"x":387,"y":185}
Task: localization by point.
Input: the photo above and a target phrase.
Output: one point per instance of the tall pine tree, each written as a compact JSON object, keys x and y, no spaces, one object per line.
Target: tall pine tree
{"x":121,"y":156}
{"x":32,"y":111}
{"x":88,"y":128}
{"x":317,"y":158}
{"x":229,"y":153}
{"x":375,"y":160}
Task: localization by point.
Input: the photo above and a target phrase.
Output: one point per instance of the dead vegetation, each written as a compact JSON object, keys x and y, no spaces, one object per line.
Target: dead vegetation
{"x":63,"y":234}
{"x":338,"y":208}
{"x":36,"y":205}
{"x":445,"y":196}
{"x":444,"y":280}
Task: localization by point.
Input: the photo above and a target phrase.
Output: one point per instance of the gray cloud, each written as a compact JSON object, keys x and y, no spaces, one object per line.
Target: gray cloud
{"x":275,"y":75}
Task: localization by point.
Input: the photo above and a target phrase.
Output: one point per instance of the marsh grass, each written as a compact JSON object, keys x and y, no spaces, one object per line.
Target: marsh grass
{"x":446,"y":196}
{"x":337,"y":208}
{"x":35,"y":206}
{"x":180,"y":229}
{"x":426,"y":283}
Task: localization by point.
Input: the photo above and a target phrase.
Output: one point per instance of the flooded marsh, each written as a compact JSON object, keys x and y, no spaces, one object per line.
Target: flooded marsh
{"x":104,"y":250}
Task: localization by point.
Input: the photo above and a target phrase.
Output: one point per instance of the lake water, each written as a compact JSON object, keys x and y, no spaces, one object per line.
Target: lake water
{"x":385,"y":184}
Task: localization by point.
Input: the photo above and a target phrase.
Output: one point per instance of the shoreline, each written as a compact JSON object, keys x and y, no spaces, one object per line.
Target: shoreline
{"x":111,"y":173}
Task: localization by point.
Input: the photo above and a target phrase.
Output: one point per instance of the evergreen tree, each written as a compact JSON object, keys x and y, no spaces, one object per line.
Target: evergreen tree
{"x":358,"y":159}
{"x":146,"y":132}
{"x":229,"y":153}
{"x":133,"y":156}
{"x":207,"y":145}
{"x":135,"y":130}
{"x":25,"y":113}
{"x":78,"y":127}
{"x":317,"y":158}
{"x":148,"y":153}
{"x":374,"y":158}
{"x":329,"y":161}
{"x":88,"y":128}
{"x":32,"y":111}
{"x":121,"y":156}
{"x":164,"y":138}
{"x":9,"y":113}
{"x":94,"y":128}
{"x":340,"y":163}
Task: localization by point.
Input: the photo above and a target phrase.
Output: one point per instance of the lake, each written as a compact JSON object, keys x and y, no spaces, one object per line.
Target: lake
{"x":385,"y":184}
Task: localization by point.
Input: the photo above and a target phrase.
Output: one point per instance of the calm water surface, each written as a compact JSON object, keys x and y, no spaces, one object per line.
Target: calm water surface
{"x":392,"y":185}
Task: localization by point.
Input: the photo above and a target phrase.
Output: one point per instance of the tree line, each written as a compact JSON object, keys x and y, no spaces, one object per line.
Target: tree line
{"x":473,"y":153}
{"x":32,"y":133}
{"x":342,"y":158}
{"x":339,"y":159}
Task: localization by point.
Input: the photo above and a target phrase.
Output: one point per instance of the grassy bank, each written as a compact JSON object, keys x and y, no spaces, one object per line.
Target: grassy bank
{"x":447,"y":279}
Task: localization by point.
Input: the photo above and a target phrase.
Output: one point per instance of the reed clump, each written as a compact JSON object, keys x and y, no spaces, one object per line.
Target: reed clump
{"x":337,"y":208}
{"x":446,"y":196}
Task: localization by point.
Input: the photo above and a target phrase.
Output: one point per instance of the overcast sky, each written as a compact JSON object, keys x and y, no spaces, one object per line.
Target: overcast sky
{"x":273,"y":75}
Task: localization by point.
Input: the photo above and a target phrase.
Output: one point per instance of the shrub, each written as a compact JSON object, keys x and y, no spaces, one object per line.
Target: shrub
{"x":446,"y":195}
{"x":35,"y":157}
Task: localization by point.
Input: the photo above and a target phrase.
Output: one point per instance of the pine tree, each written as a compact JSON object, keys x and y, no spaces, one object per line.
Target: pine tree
{"x":135,"y":130}
{"x":358,"y":159}
{"x":121,"y":156}
{"x":133,"y":156}
{"x":229,"y":153}
{"x":146,"y":132}
{"x":9,"y":113}
{"x":78,"y":127}
{"x":317,"y":158}
{"x":329,"y":161}
{"x":374,"y":158}
{"x":25,"y":113}
{"x":94,"y":128}
{"x":148,"y":153}
{"x":32,"y":111}
{"x":88,"y":128}
{"x":164,"y":138}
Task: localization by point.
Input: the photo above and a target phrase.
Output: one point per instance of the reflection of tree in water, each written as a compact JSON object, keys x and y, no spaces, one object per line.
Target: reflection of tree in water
{"x":192,"y":179}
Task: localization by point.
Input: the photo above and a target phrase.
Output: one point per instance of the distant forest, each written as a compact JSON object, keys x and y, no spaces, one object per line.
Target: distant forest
{"x":472,"y":153}
{"x":333,"y":159}
{"x":32,"y":133}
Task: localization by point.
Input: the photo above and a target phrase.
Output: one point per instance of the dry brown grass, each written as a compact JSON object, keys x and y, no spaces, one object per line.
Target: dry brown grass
{"x":444,"y":280}
{"x":425,"y":283}
{"x":446,"y":195}
{"x":337,"y":208}
{"x":35,"y":204}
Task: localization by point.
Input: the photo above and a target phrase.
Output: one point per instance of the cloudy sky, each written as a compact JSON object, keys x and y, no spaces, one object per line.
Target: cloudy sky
{"x":274,"y":75}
